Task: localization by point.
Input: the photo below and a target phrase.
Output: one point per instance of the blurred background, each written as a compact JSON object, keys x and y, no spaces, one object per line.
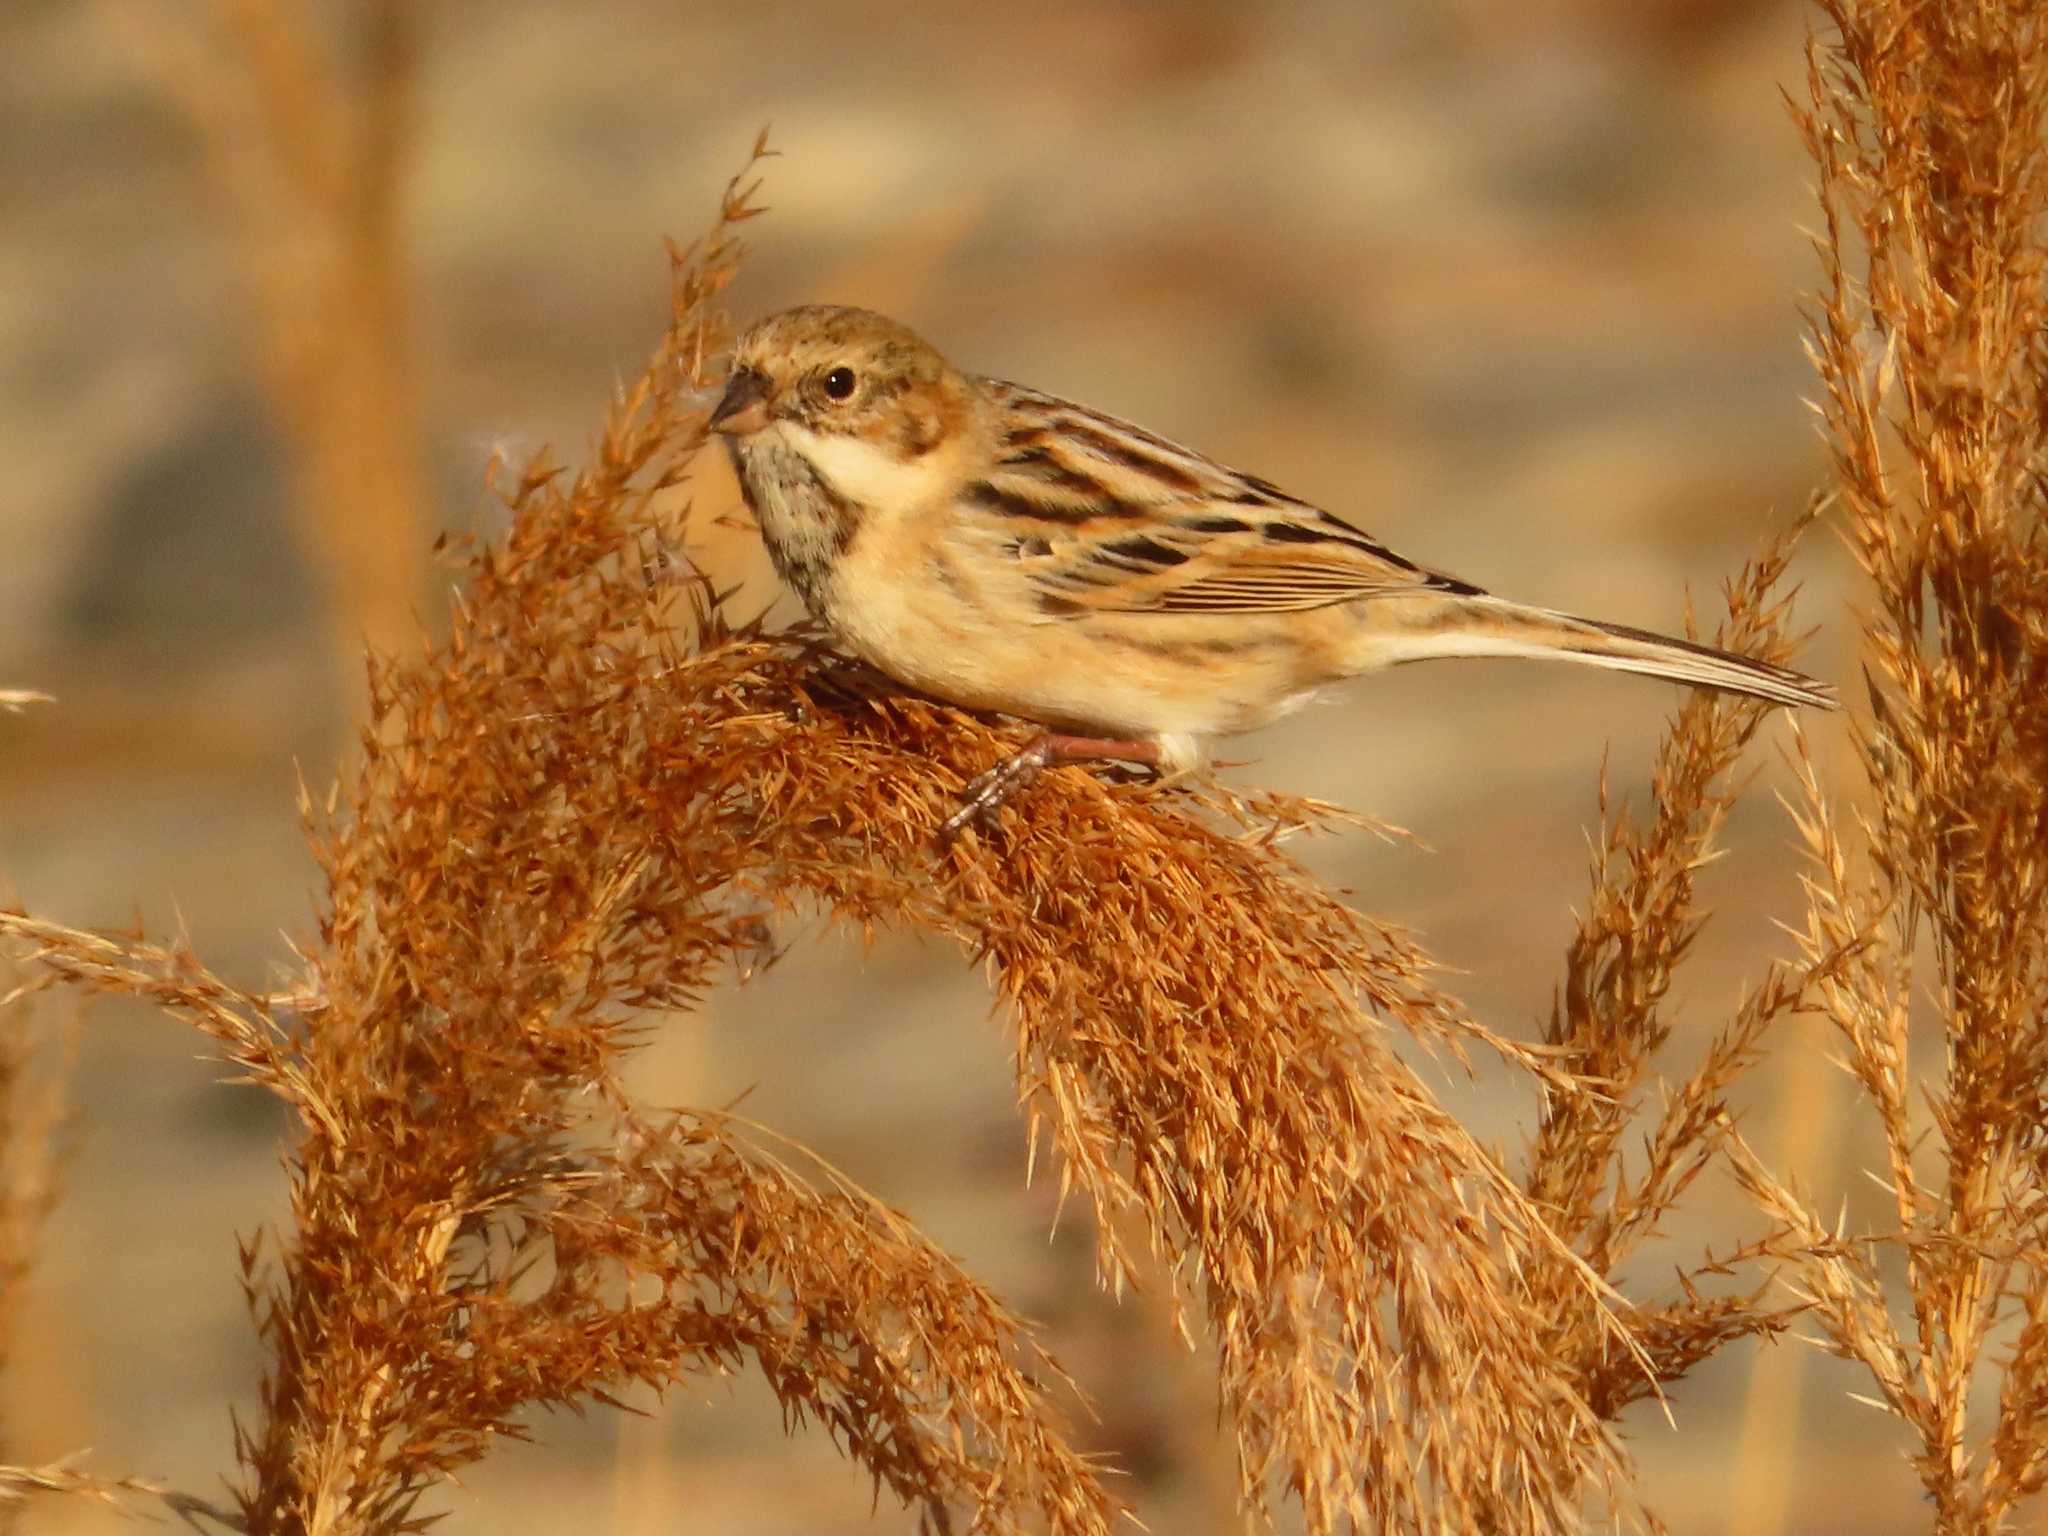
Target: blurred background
{"x":1516,"y":286}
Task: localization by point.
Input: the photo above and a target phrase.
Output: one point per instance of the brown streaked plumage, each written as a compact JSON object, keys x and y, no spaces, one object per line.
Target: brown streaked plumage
{"x":1008,"y":550}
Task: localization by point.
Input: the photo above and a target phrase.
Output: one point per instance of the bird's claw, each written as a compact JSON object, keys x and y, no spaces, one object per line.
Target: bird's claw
{"x":988,"y":792}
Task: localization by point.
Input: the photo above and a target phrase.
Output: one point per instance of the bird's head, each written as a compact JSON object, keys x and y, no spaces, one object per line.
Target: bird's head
{"x":865,"y":399}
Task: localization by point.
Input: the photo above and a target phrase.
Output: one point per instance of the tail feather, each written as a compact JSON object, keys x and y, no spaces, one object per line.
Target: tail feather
{"x":1492,"y":627}
{"x":1687,"y":661}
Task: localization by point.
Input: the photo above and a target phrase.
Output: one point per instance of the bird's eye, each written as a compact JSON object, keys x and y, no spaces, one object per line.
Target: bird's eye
{"x":839,"y":383}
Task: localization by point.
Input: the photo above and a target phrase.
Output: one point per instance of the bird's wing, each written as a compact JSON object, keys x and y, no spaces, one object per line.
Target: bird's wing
{"x":1107,"y":517}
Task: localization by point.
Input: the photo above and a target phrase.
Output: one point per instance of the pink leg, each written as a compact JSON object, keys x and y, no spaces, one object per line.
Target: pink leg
{"x":987,"y":794}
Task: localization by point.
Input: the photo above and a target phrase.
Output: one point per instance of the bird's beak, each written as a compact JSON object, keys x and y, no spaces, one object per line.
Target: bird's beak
{"x":744,"y":410}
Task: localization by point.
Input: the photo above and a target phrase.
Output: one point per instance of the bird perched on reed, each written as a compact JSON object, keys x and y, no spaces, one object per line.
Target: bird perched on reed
{"x":1007,"y":550}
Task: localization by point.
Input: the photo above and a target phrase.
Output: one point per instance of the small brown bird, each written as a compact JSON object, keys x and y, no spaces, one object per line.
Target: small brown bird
{"x":1006,"y":550}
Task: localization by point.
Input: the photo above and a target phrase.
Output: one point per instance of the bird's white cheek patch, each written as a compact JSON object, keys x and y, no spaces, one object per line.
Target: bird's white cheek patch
{"x":861,"y":472}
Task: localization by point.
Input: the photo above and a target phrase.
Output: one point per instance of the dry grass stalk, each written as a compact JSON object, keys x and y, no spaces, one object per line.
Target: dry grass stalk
{"x":584,"y":804}
{"x":1927,"y":125}
{"x":480,"y":1222}
{"x":1608,"y":1027}
{"x":1608,"y":1033}
{"x":35,"y":1061}
{"x":305,"y":159}
{"x":19,"y":1484}
{"x":590,"y":800}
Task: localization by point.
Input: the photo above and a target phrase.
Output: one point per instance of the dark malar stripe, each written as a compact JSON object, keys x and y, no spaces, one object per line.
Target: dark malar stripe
{"x":844,"y":520}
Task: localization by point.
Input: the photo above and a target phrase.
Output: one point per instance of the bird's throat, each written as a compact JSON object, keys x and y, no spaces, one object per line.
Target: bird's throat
{"x":807,"y":525}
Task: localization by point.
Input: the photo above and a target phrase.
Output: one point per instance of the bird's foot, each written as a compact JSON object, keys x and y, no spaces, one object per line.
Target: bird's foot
{"x":990,"y":791}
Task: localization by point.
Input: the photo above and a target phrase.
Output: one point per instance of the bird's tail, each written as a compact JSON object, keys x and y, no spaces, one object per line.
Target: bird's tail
{"x":1490,"y":626}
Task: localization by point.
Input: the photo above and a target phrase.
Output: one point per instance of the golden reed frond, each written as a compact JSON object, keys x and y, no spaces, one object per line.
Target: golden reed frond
{"x":35,"y":1065}
{"x":303,"y":141}
{"x":585,"y":803}
{"x":593,"y":798}
{"x":480,"y":1224}
{"x":1931,"y":339}
{"x":1607,"y":1028}
{"x":18,"y":1484}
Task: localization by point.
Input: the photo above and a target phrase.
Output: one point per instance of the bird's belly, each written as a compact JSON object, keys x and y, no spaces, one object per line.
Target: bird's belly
{"x":1126,"y":675}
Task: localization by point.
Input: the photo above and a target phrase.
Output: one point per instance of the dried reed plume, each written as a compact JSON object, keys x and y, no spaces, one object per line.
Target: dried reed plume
{"x":304,"y":143}
{"x":1608,"y":1030}
{"x":35,"y":1062}
{"x":584,"y":804}
{"x":594,"y":799}
{"x":1931,"y":339}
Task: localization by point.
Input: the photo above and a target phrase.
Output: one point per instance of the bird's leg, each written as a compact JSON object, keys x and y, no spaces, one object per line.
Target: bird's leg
{"x":987,"y":794}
